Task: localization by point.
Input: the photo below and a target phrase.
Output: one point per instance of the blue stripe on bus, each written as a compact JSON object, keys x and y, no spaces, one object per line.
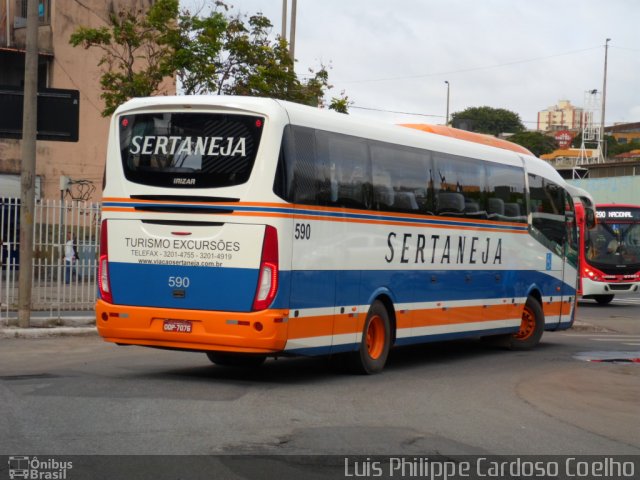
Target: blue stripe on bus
{"x":318,"y":289}
{"x":233,"y":289}
{"x":210,"y":288}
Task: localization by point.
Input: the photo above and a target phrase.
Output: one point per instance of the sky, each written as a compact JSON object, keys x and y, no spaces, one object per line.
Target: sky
{"x":392,"y":58}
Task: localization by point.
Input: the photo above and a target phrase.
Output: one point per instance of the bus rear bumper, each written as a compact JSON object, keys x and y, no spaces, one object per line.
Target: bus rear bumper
{"x":263,"y":332}
{"x":589,"y":287}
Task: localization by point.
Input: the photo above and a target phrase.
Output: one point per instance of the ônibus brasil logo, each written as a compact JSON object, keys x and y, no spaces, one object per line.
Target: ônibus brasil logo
{"x":38,"y":469}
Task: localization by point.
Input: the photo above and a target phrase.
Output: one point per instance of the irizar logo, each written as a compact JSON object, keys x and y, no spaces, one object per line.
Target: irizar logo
{"x":184,"y":181}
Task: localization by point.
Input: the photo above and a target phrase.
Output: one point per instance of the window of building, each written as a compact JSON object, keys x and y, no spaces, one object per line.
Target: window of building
{"x":44,"y":13}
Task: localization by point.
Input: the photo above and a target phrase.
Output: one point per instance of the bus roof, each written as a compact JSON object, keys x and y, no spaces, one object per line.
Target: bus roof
{"x":450,"y":140}
{"x":469,"y":136}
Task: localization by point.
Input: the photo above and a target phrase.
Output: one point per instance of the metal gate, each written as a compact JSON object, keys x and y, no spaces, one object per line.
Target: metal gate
{"x":56,"y":287}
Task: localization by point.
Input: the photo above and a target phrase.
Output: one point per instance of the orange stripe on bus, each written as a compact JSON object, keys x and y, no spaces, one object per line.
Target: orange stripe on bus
{"x":419,"y":220}
{"x":341,"y":219}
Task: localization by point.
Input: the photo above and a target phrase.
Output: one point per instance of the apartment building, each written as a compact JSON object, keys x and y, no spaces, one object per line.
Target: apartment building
{"x":562,"y":116}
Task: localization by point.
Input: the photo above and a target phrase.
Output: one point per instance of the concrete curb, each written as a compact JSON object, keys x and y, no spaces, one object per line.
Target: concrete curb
{"x":47,"y":332}
{"x":42,"y":327}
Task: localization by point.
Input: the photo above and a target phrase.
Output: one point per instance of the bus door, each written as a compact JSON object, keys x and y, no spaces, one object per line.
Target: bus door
{"x":549,"y":227}
{"x":570,"y":262}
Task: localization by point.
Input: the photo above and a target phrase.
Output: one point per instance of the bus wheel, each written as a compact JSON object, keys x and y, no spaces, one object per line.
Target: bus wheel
{"x":603,"y":299}
{"x":376,"y":341}
{"x":236,"y":360}
{"x":531,"y":327}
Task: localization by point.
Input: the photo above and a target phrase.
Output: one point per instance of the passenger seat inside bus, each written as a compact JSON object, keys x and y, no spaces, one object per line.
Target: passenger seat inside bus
{"x":511,"y":210}
{"x":449,"y":203}
{"x":472,"y":209}
{"x":405,"y":201}
{"x":495,"y":207}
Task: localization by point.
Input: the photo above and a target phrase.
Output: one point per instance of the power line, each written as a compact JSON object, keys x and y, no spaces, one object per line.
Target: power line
{"x":626,"y":48}
{"x":393,"y":111}
{"x":417,"y":114}
{"x":471,"y":69}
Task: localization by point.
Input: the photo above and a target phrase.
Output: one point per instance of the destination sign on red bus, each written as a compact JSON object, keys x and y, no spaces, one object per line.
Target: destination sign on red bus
{"x":618,"y":215}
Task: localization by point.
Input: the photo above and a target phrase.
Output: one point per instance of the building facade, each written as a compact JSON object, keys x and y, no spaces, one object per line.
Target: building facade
{"x":562,"y":116}
{"x":60,"y":65}
{"x":624,"y":132}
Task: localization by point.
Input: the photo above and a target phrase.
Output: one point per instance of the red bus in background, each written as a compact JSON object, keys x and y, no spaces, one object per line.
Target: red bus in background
{"x":610,"y":252}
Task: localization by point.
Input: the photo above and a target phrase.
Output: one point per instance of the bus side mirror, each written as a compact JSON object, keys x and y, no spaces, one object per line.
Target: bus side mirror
{"x":589,"y":218}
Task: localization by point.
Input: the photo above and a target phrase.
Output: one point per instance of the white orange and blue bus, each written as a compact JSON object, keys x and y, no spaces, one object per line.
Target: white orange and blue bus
{"x":610,"y":253}
{"x":246,"y":228}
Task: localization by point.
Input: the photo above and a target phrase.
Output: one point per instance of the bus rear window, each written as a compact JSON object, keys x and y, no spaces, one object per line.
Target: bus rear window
{"x":189,"y":150}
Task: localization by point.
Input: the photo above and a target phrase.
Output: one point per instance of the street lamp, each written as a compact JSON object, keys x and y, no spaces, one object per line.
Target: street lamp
{"x":603,"y":145}
{"x":447,"y":116}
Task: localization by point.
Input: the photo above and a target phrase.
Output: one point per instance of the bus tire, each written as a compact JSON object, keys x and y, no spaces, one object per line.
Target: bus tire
{"x":531,"y":327}
{"x":236,"y":360}
{"x":603,"y":299}
{"x":376,"y":341}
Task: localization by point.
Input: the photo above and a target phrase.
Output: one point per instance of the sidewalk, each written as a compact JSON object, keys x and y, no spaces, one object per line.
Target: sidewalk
{"x":43,"y":325}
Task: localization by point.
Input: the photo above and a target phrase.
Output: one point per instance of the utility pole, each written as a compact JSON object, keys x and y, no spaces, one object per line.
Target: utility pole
{"x":284,"y":19}
{"x":28,"y":168}
{"x":603,"y":146}
{"x":447,"y":117}
{"x":292,"y":35}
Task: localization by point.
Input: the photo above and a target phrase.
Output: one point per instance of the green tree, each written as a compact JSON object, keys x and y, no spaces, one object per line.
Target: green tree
{"x":340,"y":104}
{"x":619,"y":148}
{"x":136,"y":51}
{"x":215,"y":54}
{"x":254,"y":65}
{"x":197,"y":46}
{"x":488,"y":120}
{"x":538,"y":143}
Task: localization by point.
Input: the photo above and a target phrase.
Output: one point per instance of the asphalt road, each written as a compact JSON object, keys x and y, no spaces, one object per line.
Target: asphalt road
{"x":79,"y":395}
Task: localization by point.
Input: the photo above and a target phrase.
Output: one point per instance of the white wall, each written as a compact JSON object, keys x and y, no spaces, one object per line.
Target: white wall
{"x":612,"y":189}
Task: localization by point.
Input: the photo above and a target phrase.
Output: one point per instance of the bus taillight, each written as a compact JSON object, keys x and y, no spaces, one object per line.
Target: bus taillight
{"x":103,"y":266}
{"x":268,"y":274}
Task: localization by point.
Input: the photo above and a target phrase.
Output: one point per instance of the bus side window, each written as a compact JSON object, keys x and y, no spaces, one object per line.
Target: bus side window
{"x":400,"y":179}
{"x":300,"y":174}
{"x":548,"y":212}
{"x":572,"y":244}
{"x":349,"y":172}
{"x":280,"y":181}
{"x":455,"y":175}
{"x":505,"y":193}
